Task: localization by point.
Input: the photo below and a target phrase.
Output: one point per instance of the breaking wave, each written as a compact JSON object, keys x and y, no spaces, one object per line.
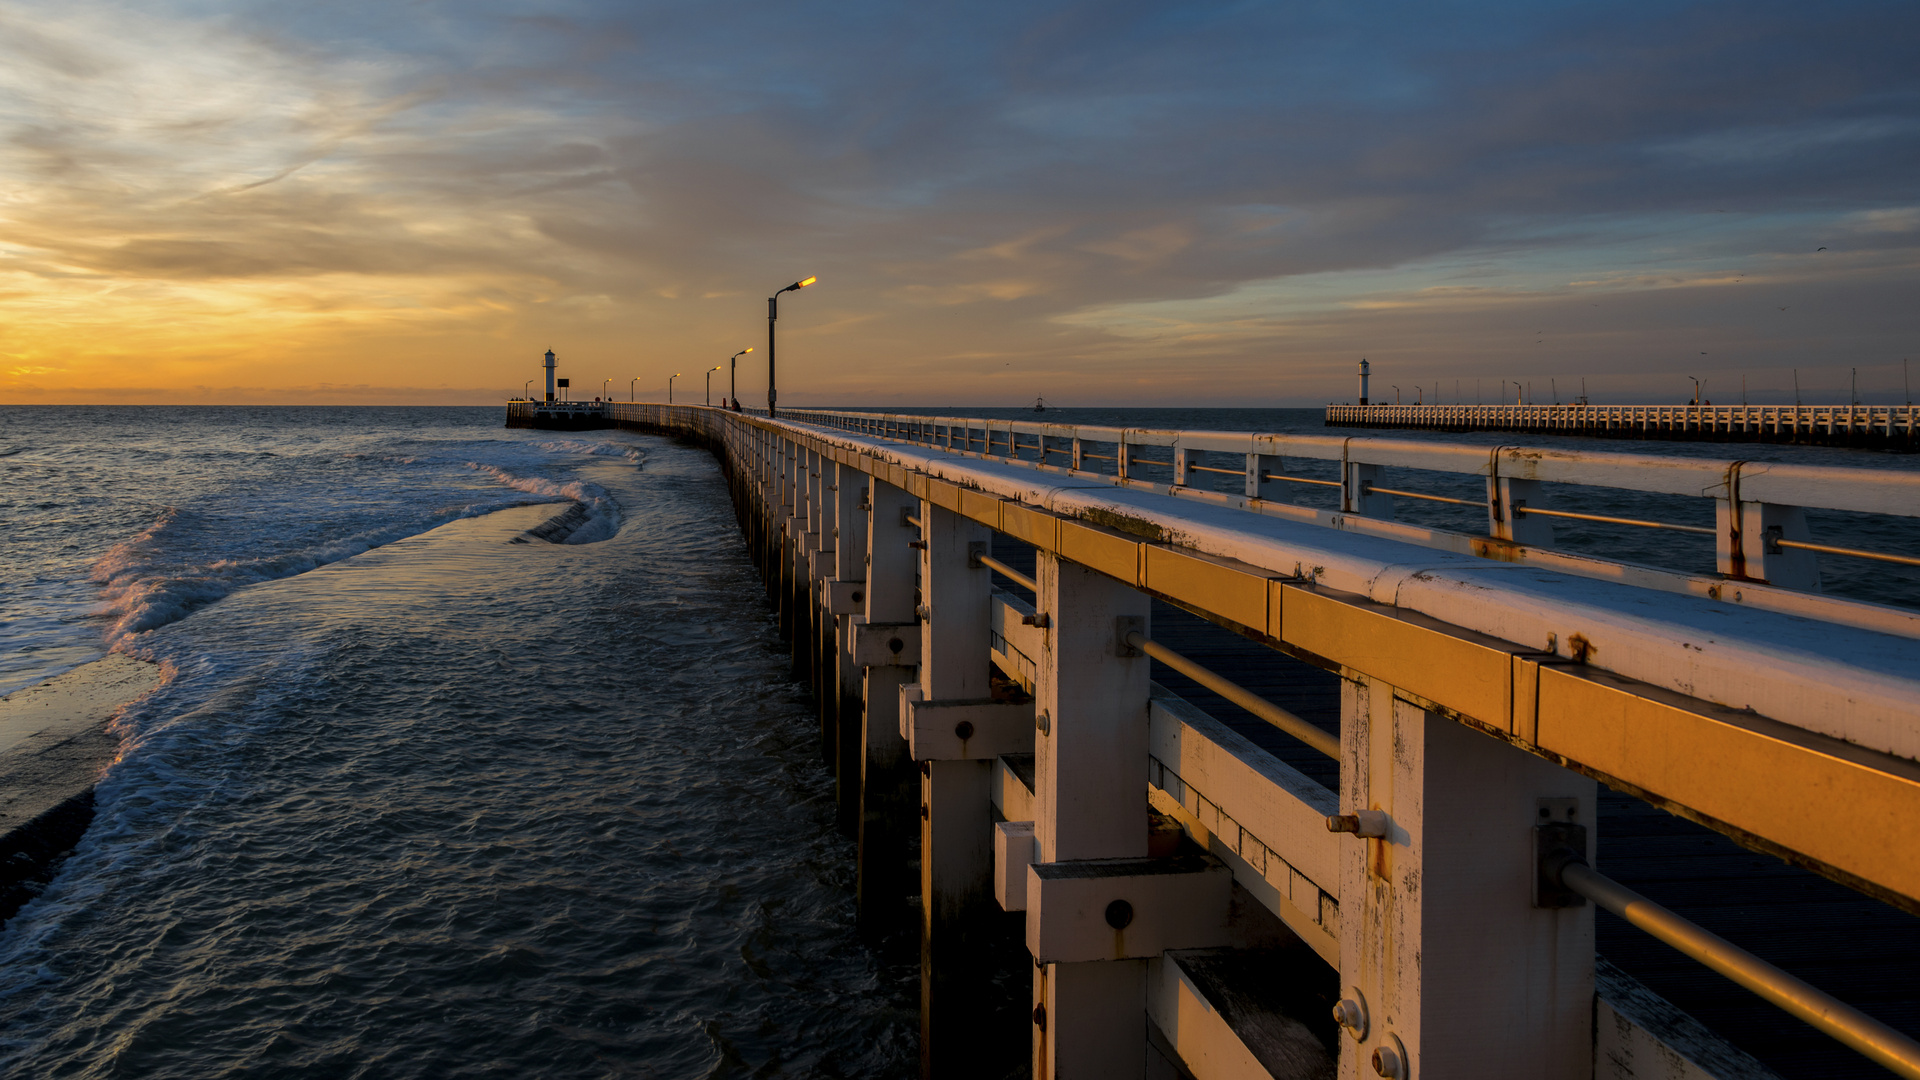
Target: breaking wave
{"x":603,"y":513}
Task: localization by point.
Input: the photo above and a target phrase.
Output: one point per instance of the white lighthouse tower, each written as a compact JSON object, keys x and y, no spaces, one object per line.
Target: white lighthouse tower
{"x":550,"y":376}
{"x":1363,"y":379}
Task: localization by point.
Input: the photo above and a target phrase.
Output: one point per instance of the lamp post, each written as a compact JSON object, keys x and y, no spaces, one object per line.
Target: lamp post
{"x":526,"y":391}
{"x":1696,"y":390}
{"x":631,"y":383}
{"x":733,"y":391}
{"x":670,"y":379}
{"x":773,"y":316}
{"x":1396,"y":394}
{"x":710,"y":372}
{"x":606,"y":389}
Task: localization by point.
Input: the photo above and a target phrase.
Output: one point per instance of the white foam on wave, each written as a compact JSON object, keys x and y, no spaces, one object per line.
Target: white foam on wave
{"x":143,"y":587}
{"x":603,"y":513}
{"x":628,"y":453}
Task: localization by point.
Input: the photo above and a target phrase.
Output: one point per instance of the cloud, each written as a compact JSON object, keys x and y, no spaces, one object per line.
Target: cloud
{"x":384,"y":195}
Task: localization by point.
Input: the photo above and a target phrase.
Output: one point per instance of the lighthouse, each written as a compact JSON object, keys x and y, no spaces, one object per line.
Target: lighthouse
{"x":550,"y":376}
{"x":1363,"y":379}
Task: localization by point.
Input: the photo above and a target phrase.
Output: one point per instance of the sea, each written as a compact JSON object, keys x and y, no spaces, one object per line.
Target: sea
{"x":421,"y":796}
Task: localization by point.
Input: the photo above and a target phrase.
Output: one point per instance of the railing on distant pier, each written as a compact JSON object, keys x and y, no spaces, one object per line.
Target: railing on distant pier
{"x":1887,"y":425}
{"x":1760,"y":536}
{"x":1457,"y":936}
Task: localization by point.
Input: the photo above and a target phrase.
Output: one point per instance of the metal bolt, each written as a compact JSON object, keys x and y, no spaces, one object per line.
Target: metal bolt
{"x":1351,"y":1014}
{"x":1042,"y":722}
{"x":1390,"y":1057}
{"x":963,"y":730}
{"x":1040,"y":1017}
{"x":1119,"y":914}
{"x":1367,"y":823}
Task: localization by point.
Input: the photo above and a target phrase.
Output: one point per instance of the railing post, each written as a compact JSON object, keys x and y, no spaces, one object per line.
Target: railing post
{"x":1091,"y":752}
{"x":1747,"y":535}
{"x":957,"y":910}
{"x":888,"y":792}
{"x":1184,"y":458}
{"x":1356,"y":491}
{"x":1259,"y":468}
{"x":1440,"y":943}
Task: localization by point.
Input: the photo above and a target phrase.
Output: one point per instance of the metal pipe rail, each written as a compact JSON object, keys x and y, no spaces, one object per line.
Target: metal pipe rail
{"x":1826,"y":1013}
{"x":1239,"y":695}
{"x":1009,"y":573}
{"x":1523,"y":511}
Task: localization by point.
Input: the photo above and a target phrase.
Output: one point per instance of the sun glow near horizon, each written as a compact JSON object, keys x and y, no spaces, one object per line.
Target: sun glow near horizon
{"x":242,"y":203}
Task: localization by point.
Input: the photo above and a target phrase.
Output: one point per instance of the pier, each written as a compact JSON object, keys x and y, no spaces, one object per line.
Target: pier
{"x":558,"y":415}
{"x":1239,"y":787}
{"x":1876,"y":426}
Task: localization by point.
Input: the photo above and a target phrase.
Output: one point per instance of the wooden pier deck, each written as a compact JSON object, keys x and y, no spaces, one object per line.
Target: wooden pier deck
{"x":1884,"y":427}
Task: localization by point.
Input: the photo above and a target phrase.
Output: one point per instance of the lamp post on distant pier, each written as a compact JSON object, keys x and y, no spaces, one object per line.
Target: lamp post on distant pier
{"x":606,"y":389}
{"x":631,"y":383}
{"x":1696,"y":390}
{"x":773,"y":316}
{"x":670,"y":379}
{"x":710,"y":372}
{"x":526,"y":391}
{"x":733,"y":369}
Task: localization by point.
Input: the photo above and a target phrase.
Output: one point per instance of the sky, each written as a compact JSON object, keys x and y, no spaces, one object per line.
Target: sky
{"x":1191,"y":204}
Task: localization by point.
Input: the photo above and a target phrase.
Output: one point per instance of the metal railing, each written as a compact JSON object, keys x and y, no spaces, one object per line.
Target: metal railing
{"x":1568,"y":869}
{"x":1739,"y":488}
{"x":1325,"y":742}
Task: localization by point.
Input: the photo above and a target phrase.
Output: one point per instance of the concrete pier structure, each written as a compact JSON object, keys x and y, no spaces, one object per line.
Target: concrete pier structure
{"x":1194,"y":905}
{"x":1889,"y":427}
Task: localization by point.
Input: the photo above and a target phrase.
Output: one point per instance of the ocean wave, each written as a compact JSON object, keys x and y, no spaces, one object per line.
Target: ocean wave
{"x":598,"y":449}
{"x":145,"y":584}
{"x":603,"y":513}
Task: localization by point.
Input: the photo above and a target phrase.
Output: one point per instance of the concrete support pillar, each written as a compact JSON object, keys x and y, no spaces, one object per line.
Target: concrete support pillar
{"x":889,"y":791}
{"x":850,"y":537}
{"x":1089,"y":803}
{"x":1457,"y":972}
{"x":957,"y":908}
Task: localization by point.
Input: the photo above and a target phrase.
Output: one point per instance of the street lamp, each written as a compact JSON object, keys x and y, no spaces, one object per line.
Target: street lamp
{"x":670,"y":379}
{"x":631,"y":383}
{"x":1696,"y":390}
{"x":710,"y":372}
{"x":526,"y":391}
{"x":606,"y":389}
{"x":773,"y":315}
{"x":733,"y":391}
{"x":1396,"y":394}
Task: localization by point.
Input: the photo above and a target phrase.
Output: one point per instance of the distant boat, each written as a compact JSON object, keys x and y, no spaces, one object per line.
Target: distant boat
{"x":1039,"y":404}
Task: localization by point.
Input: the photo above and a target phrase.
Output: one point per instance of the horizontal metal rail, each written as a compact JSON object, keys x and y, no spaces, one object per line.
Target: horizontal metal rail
{"x":1522,"y":511}
{"x":1009,"y":573}
{"x":1300,"y":480}
{"x":1214,"y":468}
{"x":1239,"y":695}
{"x":1904,"y":560}
{"x":1823,"y":1011}
{"x":1429,"y":498}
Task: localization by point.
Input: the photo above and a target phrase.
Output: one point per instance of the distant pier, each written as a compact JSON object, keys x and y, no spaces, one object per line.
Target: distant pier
{"x":558,"y":415}
{"x":1888,"y":427}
